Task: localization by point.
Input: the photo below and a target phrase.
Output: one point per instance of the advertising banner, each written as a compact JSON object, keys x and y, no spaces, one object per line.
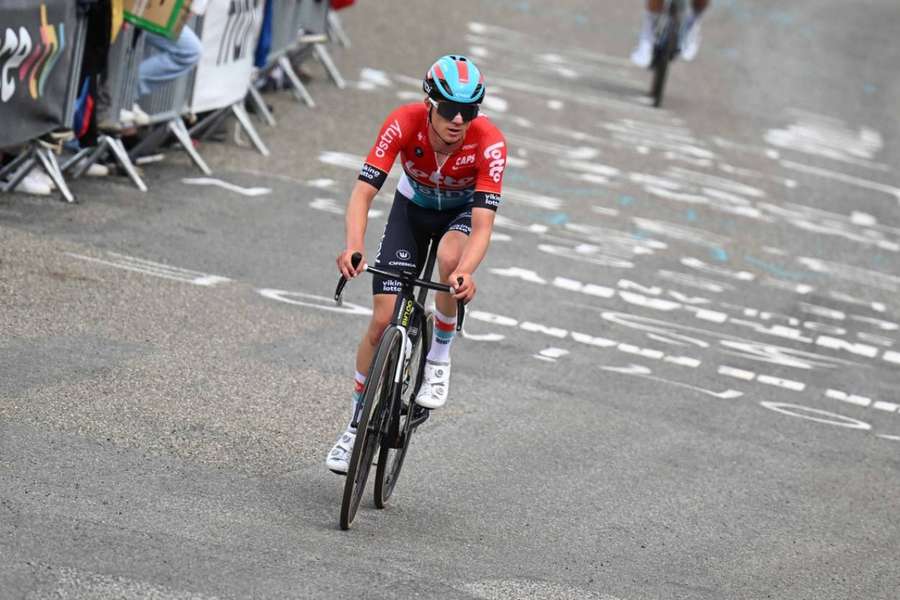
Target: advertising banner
{"x":35,"y":62}
{"x":229,"y":33}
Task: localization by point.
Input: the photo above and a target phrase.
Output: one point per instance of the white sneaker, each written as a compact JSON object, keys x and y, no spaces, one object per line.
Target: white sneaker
{"x":338,"y":459}
{"x":690,"y":41}
{"x":42,"y":176}
{"x":33,"y":183}
{"x":140,"y":117}
{"x":95,"y":170}
{"x":435,"y":385}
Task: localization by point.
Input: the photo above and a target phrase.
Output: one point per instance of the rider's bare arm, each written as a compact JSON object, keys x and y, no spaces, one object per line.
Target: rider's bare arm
{"x":356,"y":220}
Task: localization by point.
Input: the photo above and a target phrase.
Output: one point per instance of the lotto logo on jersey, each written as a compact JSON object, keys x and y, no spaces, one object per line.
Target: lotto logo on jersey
{"x":391,"y":133}
{"x":494,"y":154}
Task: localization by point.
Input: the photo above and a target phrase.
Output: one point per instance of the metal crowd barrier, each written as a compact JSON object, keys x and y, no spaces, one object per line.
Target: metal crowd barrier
{"x":42,"y":152}
{"x":166,"y":104}
{"x":299,"y":26}
{"x":211,"y":122}
{"x":313,"y":26}
{"x":125,"y":57}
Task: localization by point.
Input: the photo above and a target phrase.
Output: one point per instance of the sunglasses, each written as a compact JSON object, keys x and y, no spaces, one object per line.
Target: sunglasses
{"x":449,"y":110}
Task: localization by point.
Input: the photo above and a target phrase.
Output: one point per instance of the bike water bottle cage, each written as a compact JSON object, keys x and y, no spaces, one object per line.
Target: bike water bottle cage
{"x":449,"y":110}
{"x":454,"y":78}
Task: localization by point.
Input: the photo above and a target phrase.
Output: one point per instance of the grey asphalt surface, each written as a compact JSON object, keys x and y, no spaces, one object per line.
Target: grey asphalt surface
{"x":680,"y":373}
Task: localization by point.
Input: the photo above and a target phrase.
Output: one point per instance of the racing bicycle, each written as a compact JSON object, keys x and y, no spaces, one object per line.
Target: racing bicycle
{"x":666,"y":46}
{"x":387,"y":415}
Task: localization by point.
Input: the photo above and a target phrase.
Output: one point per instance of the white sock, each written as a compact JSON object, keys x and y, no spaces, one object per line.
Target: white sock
{"x":442,"y":337}
{"x":359,"y":386}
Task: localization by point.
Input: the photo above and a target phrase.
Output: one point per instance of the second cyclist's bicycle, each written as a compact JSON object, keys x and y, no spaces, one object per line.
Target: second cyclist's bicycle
{"x":666,"y":47}
{"x":387,"y":415}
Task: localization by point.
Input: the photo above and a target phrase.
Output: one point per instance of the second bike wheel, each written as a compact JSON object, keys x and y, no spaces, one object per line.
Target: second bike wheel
{"x":390,"y":460}
{"x":663,"y":53}
{"x":376,"y":404}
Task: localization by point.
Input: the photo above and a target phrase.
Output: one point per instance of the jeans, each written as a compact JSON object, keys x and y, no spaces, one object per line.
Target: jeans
{"x":171,"y":59}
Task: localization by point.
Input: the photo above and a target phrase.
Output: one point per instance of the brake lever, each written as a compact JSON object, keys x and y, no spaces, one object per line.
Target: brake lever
{"x":354,"y":260}
{"x":460,"y":309}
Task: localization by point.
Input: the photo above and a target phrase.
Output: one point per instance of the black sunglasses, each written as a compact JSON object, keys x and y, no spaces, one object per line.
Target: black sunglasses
{"x":449,"y":110}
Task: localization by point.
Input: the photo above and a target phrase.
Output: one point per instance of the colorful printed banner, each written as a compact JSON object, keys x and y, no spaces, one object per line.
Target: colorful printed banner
{"x":35,"y":62}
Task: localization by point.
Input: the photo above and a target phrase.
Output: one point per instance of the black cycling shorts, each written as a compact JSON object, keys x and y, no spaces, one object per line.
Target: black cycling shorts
{"x":404,"y":245}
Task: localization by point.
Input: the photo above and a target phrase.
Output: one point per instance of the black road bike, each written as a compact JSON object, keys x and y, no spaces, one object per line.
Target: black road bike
{"x":665,"y":47}
{"x":387,"y":415}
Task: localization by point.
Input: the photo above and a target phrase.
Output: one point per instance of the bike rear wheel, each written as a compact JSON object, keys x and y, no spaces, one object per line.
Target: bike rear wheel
{"x":376,"y":409}
{"x":663,"y":52}
{"x":390,"y":459}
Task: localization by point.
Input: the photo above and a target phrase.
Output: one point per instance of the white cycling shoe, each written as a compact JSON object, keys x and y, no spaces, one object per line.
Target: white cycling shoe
{"x":690,"y":42}
{"x":435,"y":385}
{"x":643,"y":54}
{"x":338,"y":459}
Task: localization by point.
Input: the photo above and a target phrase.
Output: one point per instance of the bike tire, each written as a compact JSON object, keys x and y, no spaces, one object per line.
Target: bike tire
{"x":390,"y":460}
{"x":663,"y":53}
{"x":376,"y":405}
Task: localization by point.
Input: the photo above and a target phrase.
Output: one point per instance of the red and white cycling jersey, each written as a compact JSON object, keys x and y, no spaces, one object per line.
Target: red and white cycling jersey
{"x":471,"y":175}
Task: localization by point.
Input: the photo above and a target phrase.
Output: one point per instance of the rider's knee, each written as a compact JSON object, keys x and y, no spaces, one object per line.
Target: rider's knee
{"x":448,"y":259}
{"x":380,"y":321}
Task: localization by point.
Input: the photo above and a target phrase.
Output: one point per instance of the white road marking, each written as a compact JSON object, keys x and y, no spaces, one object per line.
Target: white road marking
{"x":815,"y":414}
{"x":254,"y":191}
{"x":844,"y":178}
{"x":644,"y":373}
{"x":146,"y":267}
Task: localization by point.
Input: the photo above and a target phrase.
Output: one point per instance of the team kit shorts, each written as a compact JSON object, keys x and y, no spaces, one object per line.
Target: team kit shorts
{"x":404,"y":245}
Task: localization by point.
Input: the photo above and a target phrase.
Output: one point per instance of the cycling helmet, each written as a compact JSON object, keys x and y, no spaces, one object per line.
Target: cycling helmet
{"x":454,"y":78}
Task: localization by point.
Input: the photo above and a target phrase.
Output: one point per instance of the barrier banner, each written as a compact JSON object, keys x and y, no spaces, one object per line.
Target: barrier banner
{"x":229,"y":34}
{"x":35,"y":62}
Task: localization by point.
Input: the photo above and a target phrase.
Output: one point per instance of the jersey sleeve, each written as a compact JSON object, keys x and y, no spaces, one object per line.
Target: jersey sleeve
{"x":491,"y":164}
{"x":387,"y":145}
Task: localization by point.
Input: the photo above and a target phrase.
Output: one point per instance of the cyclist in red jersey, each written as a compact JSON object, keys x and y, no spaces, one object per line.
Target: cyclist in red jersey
{"x":453,"y":162}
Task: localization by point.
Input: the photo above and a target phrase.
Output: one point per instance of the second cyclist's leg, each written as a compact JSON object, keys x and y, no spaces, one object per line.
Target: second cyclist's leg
{"x":642,"y":55}
{"x":690,"y":38}
{"x":436,"y":379}
{"x":382,"y":309}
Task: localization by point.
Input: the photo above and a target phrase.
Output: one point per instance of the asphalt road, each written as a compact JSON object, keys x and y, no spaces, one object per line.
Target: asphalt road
{"x":680,"y":373}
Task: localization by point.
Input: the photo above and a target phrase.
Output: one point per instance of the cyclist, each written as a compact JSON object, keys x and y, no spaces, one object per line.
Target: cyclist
{"x":690,"y":32}
{"x":453,"y":162}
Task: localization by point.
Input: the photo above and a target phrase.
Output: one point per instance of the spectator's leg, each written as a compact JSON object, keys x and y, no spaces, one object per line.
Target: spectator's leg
{"x":171,"y":59}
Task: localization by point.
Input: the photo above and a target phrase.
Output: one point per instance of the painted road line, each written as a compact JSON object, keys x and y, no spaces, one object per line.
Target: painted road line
{"x":146,"y":267}
{"x":254,"y":191}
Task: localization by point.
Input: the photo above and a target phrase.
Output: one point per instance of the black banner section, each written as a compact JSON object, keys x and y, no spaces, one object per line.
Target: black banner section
{"x":35,"y":60}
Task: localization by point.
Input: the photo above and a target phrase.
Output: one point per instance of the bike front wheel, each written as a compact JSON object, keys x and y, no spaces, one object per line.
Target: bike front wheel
{"x":390,"y":458}
{"x":375,"y":411}
{"x":663,"y":52}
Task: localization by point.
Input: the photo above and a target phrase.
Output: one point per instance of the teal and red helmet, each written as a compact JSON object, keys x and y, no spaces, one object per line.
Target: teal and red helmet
{"x":454,"y":78}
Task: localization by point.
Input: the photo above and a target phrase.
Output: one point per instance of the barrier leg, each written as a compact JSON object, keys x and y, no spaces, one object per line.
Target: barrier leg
{"x":208,"y":124}
{"x":48,"y":161}
{"x":96,"y":154}
{"x":118,"y":149}
{"x":261,"y":108}
{"x":244,"y":119}
{"x":299,"y":89}
{"x":179,"y":130}
{"x":335,"y":27}
{"x":325,"y":58}
{"x":73,"y":160}
{"x":18,"y":176}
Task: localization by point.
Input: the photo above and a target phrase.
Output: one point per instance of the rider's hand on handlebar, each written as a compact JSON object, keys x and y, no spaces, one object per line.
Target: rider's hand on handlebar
{"x":464,"y":291}
{"x":345,"y":264}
